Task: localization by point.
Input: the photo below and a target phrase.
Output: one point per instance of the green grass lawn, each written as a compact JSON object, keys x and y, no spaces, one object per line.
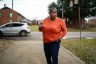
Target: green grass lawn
{"x":34,"y":28}
{"x":85,"y":49}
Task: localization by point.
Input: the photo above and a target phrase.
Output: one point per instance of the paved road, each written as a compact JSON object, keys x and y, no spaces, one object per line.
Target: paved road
{"x":38,"y":36}
{"x":31,"y":52}
{"x":83,"y":35}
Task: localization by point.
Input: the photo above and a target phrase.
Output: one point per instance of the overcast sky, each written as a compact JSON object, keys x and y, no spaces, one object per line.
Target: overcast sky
{"x":31,"y":9}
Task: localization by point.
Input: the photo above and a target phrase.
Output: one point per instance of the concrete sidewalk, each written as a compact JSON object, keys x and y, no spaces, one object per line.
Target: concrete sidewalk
{"x":31,"y":52}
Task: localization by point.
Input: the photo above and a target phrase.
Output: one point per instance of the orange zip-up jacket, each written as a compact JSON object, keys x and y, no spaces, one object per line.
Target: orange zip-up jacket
{"x":53,"y":30}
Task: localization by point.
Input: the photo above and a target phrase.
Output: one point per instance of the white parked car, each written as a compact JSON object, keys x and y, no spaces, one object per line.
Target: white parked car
{"x":15,"y":28}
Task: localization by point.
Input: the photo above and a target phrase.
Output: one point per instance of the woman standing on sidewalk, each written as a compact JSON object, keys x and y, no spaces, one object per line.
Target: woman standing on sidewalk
{"x":53,"y":29}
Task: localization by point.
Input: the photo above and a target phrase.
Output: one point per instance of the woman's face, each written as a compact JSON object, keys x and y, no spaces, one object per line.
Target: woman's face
{"x":53,"y":14}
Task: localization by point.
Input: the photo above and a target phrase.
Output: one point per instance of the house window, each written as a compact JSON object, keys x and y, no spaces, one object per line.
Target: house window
{"x":0,"y":14}
{"x":10,"y":15}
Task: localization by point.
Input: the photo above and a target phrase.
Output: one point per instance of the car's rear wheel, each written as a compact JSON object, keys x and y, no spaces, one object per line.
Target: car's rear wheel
{"x":1,"y":34}
{"x":23,"y":33}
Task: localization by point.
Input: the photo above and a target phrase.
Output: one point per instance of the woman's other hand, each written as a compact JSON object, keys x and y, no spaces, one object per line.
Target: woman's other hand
{"x":40,"y":26}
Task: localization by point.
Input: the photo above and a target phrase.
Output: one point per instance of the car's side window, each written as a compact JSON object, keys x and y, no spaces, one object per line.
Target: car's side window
{"x":13,"y":25}
{"x":17,"y":25}
{"x":8,"y":25}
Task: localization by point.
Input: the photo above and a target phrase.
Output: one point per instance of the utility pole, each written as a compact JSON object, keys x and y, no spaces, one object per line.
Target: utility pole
{"x":79,"y":20}
{"x":76,"y":2}
{"x":12,"y":11}
{"x":62,"y":12}
{"x":11,"y":14}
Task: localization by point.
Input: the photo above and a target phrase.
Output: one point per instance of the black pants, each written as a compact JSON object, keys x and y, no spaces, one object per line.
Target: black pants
{"x":51,"y":52}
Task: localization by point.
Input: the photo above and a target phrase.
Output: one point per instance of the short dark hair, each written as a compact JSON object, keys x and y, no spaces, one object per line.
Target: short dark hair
{"x":52,"y":8}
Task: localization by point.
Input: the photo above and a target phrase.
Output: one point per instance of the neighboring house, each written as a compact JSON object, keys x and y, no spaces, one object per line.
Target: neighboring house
{"x":91,"y":21}
{"x":6,"y":16}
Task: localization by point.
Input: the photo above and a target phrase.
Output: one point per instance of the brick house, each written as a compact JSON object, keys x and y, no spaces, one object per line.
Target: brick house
{"x":6,"y":15}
